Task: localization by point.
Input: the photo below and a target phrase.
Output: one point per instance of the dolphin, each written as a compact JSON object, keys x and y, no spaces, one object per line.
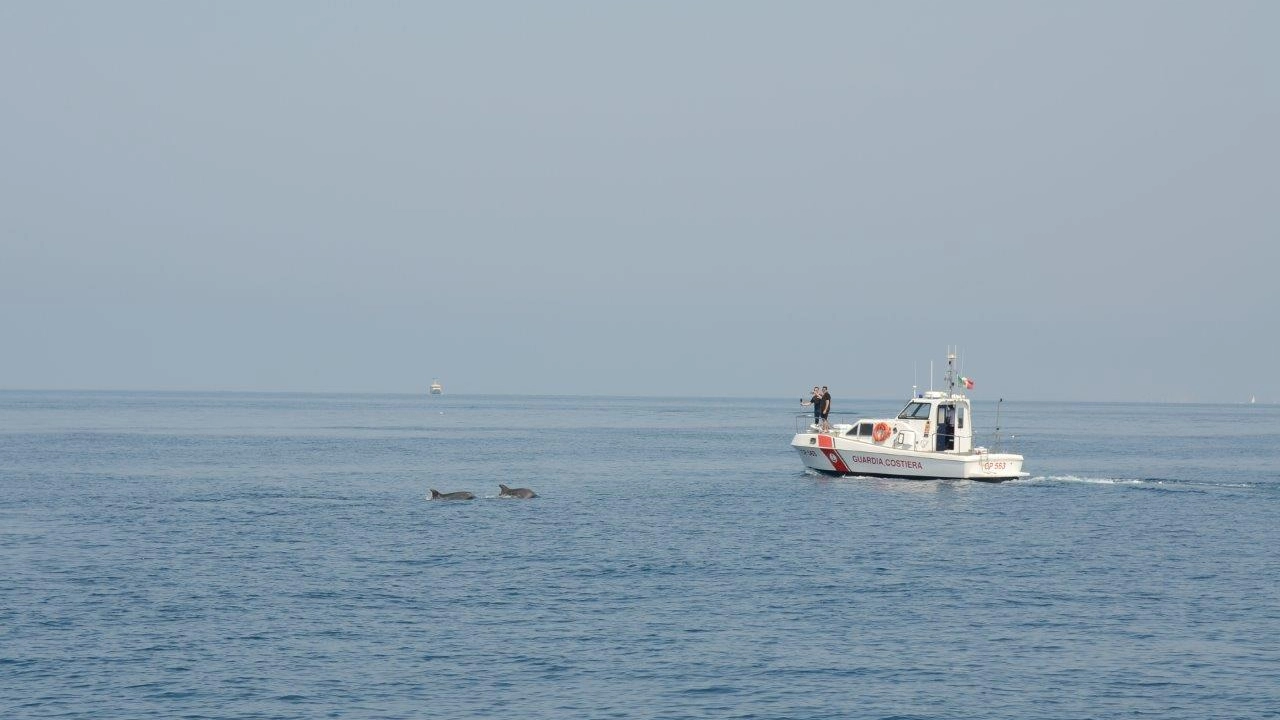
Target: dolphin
{"x":463,"y":495}
{"x":523,"y":493}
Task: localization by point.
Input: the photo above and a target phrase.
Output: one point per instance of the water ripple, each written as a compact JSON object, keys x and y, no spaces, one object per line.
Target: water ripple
{"x":279,"y":565}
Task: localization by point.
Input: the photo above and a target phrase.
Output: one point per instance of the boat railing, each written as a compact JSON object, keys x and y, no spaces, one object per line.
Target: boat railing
{"x":998,"y":442}
{"x":804,"y":421}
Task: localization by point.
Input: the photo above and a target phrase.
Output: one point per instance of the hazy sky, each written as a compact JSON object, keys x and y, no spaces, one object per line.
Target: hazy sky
{"x":657,"y":198}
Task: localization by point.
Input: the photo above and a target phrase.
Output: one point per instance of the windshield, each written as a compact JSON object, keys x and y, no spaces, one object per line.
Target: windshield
{"x":914,"y":410}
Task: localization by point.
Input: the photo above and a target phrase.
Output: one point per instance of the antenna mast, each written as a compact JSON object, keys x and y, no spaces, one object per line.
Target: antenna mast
{"x":951,"y":375}
{"x":996,"y":438}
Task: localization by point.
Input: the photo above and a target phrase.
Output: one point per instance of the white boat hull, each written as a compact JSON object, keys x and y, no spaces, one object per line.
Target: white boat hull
{"x":839,"y":455}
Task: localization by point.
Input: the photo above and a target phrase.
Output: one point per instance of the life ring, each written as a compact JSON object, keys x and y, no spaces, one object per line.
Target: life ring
{"x":881,"y":432}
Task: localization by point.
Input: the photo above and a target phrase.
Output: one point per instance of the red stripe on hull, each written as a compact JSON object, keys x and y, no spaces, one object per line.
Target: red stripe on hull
{"x":836,"y":461}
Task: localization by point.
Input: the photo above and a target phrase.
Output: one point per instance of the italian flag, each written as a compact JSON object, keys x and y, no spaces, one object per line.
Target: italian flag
{"x":968,"y":383}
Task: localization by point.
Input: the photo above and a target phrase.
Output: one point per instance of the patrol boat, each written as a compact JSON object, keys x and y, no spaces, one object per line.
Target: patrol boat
{"x":931,"y":438}
{"x":436,"y":388}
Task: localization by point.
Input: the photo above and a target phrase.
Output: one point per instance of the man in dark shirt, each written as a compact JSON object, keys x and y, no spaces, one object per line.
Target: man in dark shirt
{"x":816,"y":402}
{"x":825,"y":404}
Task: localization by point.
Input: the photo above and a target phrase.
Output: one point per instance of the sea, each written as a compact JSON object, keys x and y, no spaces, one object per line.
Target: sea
{"x":224,"y":555}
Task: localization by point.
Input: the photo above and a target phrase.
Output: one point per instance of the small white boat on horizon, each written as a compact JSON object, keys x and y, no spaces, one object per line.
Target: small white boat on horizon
{"x":436,"y":388}
{"x":932,"y":438}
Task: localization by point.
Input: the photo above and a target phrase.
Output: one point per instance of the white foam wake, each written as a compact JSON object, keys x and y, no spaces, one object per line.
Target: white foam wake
{"x":1132,"y":482}
{"x":1089,"y":480}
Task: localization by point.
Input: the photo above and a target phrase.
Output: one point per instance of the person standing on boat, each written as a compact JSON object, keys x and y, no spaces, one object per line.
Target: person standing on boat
{"x":825,"y":403}
{"x":816,"y":402}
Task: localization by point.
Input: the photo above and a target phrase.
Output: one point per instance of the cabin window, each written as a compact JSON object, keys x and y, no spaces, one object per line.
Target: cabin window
{"x":960,"y":417}
{"x":915,"y":411}
{"x":861,"y":430}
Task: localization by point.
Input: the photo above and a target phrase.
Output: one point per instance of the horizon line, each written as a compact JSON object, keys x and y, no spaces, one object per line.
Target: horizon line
{"x":427,"y":395}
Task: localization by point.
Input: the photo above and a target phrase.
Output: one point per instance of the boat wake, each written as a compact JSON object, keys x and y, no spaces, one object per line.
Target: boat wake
{"x":1086,"y":480}
{"x":1154,"y":483}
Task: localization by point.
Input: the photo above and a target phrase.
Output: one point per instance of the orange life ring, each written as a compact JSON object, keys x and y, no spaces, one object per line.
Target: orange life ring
{"x":881,"y":432}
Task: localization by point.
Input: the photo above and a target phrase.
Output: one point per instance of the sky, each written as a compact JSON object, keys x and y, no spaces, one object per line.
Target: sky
{"x":703,"y":199}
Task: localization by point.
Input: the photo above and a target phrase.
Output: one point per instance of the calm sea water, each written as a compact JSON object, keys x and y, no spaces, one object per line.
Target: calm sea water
{"x":272,"y":556}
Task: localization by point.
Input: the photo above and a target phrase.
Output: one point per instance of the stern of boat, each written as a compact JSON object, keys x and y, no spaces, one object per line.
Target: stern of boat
{"x":998,"y":467}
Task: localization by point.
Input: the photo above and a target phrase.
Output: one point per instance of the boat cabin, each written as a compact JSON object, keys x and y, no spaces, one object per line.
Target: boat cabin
{"x":933,"y":421}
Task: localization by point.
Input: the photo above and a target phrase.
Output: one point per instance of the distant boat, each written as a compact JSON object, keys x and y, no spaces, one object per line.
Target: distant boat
{"x":436,"y":388}
{"x":1253,"y":399}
